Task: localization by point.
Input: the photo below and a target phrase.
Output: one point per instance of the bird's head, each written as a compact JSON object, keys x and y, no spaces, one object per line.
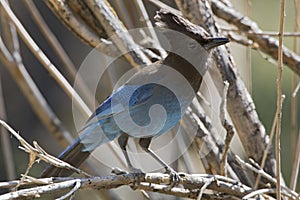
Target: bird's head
{"x":195,"y":34}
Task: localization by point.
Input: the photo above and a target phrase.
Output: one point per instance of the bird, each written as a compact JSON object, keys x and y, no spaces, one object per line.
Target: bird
{"x":134,"y":110}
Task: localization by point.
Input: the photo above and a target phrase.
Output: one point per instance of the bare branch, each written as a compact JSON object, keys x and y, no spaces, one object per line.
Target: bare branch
{"x":60,"y":52}
{"x":45,"y":61}
{"x":279,"y":102}
{"x":228,"y":127}
{"x":267,"y":176}
{"x":191,"y":185}
{"x":37,"y":151}
{"x":268,"y":148}
{"x":13,"y":63}
{"x":118,"y":33}
{"x":266,"y":44}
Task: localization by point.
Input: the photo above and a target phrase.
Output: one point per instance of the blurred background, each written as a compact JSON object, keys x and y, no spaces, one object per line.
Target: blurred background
{"x":262,"y":84}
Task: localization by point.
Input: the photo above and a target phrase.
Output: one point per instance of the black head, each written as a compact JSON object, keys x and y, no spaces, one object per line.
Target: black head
{"x":168,"y":20}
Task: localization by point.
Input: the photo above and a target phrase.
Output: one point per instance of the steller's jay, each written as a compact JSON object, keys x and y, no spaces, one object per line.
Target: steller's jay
{"x":130,"y":111}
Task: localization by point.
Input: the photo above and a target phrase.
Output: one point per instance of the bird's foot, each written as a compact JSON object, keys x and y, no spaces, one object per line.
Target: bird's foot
{"x":136,"y":170}
{"x":137,"y":178}
{"x":174,"y":176}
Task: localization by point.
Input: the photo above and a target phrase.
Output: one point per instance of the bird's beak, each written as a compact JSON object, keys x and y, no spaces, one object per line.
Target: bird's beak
{"x":215,"y":41}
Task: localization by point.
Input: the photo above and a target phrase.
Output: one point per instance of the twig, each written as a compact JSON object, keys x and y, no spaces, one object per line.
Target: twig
{"x":6,"y":142}
{"x":263,"y":192}
{"x":279,"y":107}
{"x":228,"y":127}
{"x":144,"y":17}
{"x":71,"y":192}
{"x":267,"y":58}
{"x":267,"y":176}
{"x":268,"y":148}
{"x":37,"y":151}
{"x":165,"y":6}
{"x":296,"y":89}
{"x":266,"y":44}
{"x":296,"y":165}
{"x":266,"y":33}
{"x":45,"y":61}
{"x":248,"y":54}
{"x":204,"y":187}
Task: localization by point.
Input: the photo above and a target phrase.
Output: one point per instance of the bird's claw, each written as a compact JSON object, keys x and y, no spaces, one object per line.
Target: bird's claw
{"x":174,"y":177}
{"x":137,"y":179}
{"x":136,"y":170}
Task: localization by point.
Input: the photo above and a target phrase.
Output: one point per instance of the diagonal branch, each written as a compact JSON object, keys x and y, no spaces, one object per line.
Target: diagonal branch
{"x":266,"y":43}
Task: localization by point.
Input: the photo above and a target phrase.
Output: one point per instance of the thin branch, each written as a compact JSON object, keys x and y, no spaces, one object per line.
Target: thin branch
{"x":263,"y":33}
{"x":248,"y":54}
{"x":45,"y":61}
{"x":38,"y":152}
{"x":204,"y":187}
{"x":6,"y":142}
{"x":267,"y":151}
{"x":72,"y":191}
{"x":266,"y":44}
{"x":59,"y":50}
{"x":279,"y":105}
{"x":264,"y":192}
{"x":13,"y":63}
{"x":228,"y":127}
{"x":296,"y":166}
{"x":267,"y":176}
{"x":114,"y":28}
{"x":144,"y":17}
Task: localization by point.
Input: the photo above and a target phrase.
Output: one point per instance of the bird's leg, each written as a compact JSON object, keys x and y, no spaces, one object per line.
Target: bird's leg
{"x":122,"y":140}
{"x":145,"y":143}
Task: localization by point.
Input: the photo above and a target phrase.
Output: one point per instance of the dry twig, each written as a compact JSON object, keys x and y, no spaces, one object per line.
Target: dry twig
{"x":36,"y":151}
{"x":279,"y":104}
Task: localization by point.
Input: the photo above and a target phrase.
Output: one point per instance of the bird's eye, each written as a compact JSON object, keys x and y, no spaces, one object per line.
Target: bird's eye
{"x":192,"y":45}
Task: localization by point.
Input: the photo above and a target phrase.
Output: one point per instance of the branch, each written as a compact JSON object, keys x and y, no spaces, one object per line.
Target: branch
{"x":80,"y":28}
{"x":12,"y":60}
{"x":114,"y":28}
{"x":266,"y":44}
{"x":262,"y":173}
{"x":59,"y":50}
{"x":228,"y":127}
{"x":189,"y":186}
{"x":54,"y":72}
{"x":38,"y":152}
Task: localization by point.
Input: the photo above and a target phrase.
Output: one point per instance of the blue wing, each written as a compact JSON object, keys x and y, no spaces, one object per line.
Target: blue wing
{"x":135,"y":101}
{"x":101,"y":127}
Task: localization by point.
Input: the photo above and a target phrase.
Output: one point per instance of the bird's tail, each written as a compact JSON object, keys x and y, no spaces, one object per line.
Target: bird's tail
{"x":73,"y":155}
